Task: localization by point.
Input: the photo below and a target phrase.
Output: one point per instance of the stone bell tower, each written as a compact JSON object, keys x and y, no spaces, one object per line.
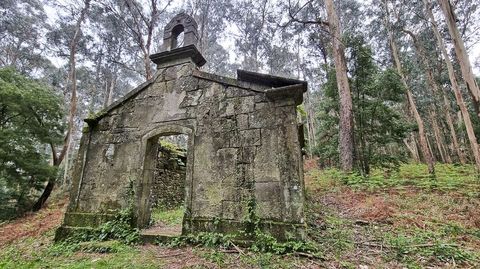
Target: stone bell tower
{"x":180,"y":23}
{"x":173,"y":49}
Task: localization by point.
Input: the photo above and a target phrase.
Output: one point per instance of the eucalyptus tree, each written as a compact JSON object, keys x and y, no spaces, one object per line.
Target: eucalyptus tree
{"x":454,"y":84}
{"x":379,"y":125}
{"x":410,"y":97}
{"x":256,"y":25}
{"x":140,"y":20}
{"x":67,"y":38}
{"x":112,"y":56}
{"x":212,"y":17}
{"x":461,"y":53}
{"x":22,"y":25}
{"x":346,"y":146}
{"x":325,"y":18}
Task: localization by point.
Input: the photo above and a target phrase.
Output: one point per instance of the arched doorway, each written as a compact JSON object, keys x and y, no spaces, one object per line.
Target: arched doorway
{"x":163,"y":198}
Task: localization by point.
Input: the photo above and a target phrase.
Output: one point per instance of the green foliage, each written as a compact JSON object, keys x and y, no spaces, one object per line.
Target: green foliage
{"x":260,"y":241}
{"x":170,"y":146}
{"x":377,"y":96}
{"x":204,"y":239}
{"x":168,"y":216}
{"x":120,"y":229}
{"x":421,"y":228}
{"x":31,"y":117}
{"x":449,"y":177}
{"x":68,"y":248}
{"x":215,"y":257}
{"x":268,"y":244}
{"x":109,"y":254}
{"x":404,"y":247}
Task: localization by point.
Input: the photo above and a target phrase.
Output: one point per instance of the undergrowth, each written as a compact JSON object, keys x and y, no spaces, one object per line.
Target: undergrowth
{"x":117,"y":233}
{"x":461,"y":178}
{"x":257,"y":239}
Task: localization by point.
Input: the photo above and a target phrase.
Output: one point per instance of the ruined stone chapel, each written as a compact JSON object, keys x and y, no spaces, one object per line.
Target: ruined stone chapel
{"x":243,"y":147}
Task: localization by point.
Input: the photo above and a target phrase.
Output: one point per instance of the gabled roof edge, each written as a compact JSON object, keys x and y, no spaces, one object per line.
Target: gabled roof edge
{"x":268,"y":80}
{"x":92,"y":120}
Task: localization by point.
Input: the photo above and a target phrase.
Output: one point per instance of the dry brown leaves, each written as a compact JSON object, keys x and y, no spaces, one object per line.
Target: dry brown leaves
{"x":33,"y":224}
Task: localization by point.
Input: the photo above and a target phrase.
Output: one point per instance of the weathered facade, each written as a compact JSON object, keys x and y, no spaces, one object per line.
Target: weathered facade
{"x":243,"y":157}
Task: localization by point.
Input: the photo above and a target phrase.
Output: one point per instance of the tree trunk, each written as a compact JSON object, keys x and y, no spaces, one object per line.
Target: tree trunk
{"x":451,"y":127}
{"x":461,"y":53}
{"x":413,"y":107}
{"x":412,"y":148}
{"x":109,"y":87}
{"x":456,"y":88}
{"x":346,"y":115}
{"x":439,"y":139}
{"x":73,"y":106}
{"x":436,"y":93}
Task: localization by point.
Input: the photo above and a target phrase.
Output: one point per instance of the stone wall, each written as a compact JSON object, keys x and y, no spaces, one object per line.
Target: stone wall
{"x":243,"y":155}
{"x":168,"y":187}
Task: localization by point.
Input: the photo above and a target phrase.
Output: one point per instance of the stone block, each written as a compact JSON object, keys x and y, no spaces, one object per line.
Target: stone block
{"x":232,"y":210}
{"x":226,"y":158}
{"x":157,"y":89}
{"x":251,"y":137}
{"x":204,"y":84}
{"x":247,"y":155}
{"x":227,"y":109}
{"x":237,"y":92}
{"x":267,"y":165}
{"x":223,"y":124}
{"x":206,"y":209}
{"x":170,"y":73}
{"x":269,"y":210}
{"x":245,"y":176}
{"x":247,"y":105}
{"x":191,"y":99}
{"x":242,"y":121}
{"x":268,"y":191}
{"x":260,"y":98}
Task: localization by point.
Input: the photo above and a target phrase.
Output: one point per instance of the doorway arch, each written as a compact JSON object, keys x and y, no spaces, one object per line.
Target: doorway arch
{"x":149,"y":150}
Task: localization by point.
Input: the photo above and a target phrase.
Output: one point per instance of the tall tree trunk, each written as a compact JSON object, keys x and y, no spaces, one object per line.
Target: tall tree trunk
{"x":412,"y":148}
{"x":430,"y":149}
{"x":346,"y":114}
{"x":413,"y":107}
{"x":73,"y":106}
{"x":439,"y":137}
{"x":456,"y":88}
{"x":109,"y":87}
{"x":461,"y":53}
{"x":451,"y":127}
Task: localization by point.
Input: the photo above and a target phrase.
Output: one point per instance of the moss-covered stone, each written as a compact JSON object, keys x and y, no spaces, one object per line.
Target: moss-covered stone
{"x":242,"y":146}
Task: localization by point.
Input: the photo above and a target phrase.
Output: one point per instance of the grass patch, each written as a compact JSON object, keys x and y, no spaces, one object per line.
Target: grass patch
{"x":41,"y":253}
{"x":168,"y":216}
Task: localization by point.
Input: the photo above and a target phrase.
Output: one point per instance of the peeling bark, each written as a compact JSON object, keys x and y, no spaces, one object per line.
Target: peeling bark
{"x":346,"y":115}
{"x":456,"y":88}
